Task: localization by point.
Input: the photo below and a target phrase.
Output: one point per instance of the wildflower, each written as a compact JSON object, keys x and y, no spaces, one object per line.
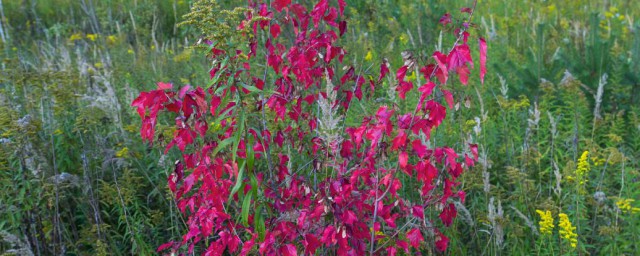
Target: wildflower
{"x":411,"y":76}
{"x":74,"y":37}
{"x":112,"y":39}
{"x":130,"y":51}
{"x":551,"y":8}
{"x":583,"y":168}
{"x":98,"y":65}
{"x":546,"y":222}
{"x":625,"y":206}
{"x":404,"y":39}
{"x":92,"y":37}
{"x":369,"y":56}
{"x":566,"y":230}
{"x":57,"y":132}
{"x":123,"y":152}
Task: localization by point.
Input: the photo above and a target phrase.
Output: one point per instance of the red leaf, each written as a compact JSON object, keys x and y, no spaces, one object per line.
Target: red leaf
{"x":474,"y":151}
{"x":427,"y":89}
{"x":347,"y":149}
{"x":348,"y":76}
{"x":403,"y":88}
{"x":415,"y":237}
{"x":442,"y":242}
{"x":445,"y":19}
{"x":349,"y":217}
{"x":384,"y":70}
{"x":329,"y":236}
{"x":341,"y":5}
{"x":403,"y":158}
{"x":318,"y":11}
{"x":419,"y":148}
{"x":459,"y":56}
{"x":331,"y":17}
{"x":311,"y":243}
{"x":483,"y":58}
{"x":164,"y":246}
{"x":448,"y":214}
{"x":463,"y":74}
{"x":437,"y":112}
{"x":448,"y":97}
{"x":275,"y":30}
{"x":392,"y":251}
{"x":248,"y":245}
{"x":401,"y":73}
{"x":280,"y":4}
{"x":399,"y":141}
{"x":418,"y":211}
{"x":440,"y":59}
{"x":342,"y":26}
{"x":358,"y":91}
{"x":288,"y":250}
{"x":165,"y":86}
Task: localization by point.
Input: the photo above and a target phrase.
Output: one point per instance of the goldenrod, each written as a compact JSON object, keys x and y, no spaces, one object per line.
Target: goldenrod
{"x":625,"y":206}
{"x":123,"y":152}
{"x":583,"y":168}
{"x":369,"y":56}
{"x":567,"y":230}
{"x":546,"y":222}
{"x":92,"y":37}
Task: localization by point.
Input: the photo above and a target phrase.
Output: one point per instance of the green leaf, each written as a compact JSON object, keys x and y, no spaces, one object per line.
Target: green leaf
{"x":251,"y":88}
{"x":238,"y":184}
{"x":246,"y":204}
{"x":259,"y":223}
{"x":239,"y":132}
{"x":222,"y":145}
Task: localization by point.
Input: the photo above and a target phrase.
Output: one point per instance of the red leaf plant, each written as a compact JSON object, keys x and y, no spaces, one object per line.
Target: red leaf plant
{"x":269,"y":167}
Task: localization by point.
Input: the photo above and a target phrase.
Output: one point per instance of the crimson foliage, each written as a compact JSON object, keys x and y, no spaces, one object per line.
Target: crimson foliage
{"x":256,"y":173}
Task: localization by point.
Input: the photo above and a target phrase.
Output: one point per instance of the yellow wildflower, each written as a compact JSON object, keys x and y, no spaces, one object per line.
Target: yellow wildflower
{"x":57,"y":132}
{"x":625,"y":206}
{"x":411,"y":76}
{"x":404,"y":39}
{"x":583,"y":167}
{"x":130,"y":51}
{"x":551,"y":8}
{"x":123,"y":152}
{"x":369,"y":56}
{"x":92,"y":37}
{"x":567,"y":230}
{"x":546,"y":222}
{"x":98,"y":65}
{"x":112,"y":39}
{"x":74,"y":37}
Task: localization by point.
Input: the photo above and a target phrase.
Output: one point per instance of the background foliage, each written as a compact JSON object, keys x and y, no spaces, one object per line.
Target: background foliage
{"x":563,"y":79}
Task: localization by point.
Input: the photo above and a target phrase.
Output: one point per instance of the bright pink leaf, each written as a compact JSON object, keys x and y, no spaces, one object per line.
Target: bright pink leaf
{"x":448,"y":214}
{"x":280,"y":4}
{"x":483,"y":58}
{"x":415,"y":237}
{"x":288,"y":250}
{"x":445,"y":19}
{"x":403,"y":158}
{"x":165,"y":86}
{"x":275,"y":30}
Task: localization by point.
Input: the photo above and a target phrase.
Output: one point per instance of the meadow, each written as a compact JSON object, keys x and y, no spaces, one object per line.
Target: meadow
{"x":554,"y":124}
